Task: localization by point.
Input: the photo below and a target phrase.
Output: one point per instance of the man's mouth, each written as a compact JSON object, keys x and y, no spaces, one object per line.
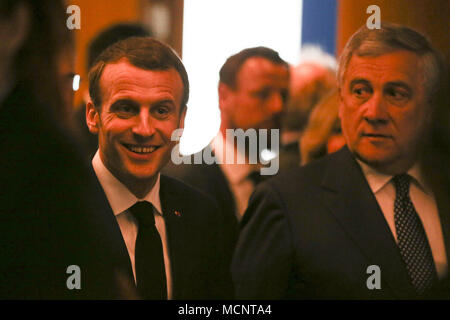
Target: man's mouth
{"x":140,"y":149}
{"x":375,"y":135}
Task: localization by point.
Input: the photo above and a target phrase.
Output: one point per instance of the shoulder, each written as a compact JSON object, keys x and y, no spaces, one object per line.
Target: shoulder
{"x":192,"y":173}
{"x":297,"y":188}
{"x":306,"y":176}
{"x":185,"y":194}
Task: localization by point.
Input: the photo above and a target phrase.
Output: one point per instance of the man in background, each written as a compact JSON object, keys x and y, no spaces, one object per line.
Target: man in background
{"x":311,"y":80}
{"x":253,"y":89}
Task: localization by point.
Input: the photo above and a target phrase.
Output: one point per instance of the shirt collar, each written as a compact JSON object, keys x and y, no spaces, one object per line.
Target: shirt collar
{"x":118,"y":195}
{"x":378,"y":180}
{"x":235,"y":172}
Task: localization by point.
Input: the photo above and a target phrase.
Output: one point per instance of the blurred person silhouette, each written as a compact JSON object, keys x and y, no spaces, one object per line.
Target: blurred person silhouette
{"x":312,"y":79}
{"x":253,"y":89}
{"x":323,"y":134}
{"x":98,"y":44}
{"x":51,"y":213}
{"x":363,"y":222}
{"x":252,"y":92}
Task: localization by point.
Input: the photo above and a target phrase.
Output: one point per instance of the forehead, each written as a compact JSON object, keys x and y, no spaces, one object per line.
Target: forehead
{"x":258,"y":69}
{"x":123,"y":80}
{"x":399,"y":65}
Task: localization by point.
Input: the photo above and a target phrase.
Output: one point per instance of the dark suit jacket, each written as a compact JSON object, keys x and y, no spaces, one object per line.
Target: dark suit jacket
{"x":210,"y":180}
{"x":196,"y":243}
{"x":51,"y":213}
{"x":313,"y":232}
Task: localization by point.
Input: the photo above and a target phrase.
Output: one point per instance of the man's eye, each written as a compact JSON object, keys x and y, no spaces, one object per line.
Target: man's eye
{"x":161,"y":111}
{"x":397,"y":95}
{"x":124,"y":110}
{"x":361,"y":92}
{"x":284,"y":95}
{"x":262,"y":94}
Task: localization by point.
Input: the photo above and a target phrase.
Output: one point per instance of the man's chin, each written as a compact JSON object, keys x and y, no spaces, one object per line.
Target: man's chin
{"x":379,"y":161}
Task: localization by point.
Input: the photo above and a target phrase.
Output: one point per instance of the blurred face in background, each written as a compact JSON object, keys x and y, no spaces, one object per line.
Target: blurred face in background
{"x":259,"y":97}
{"x":384,"y":110}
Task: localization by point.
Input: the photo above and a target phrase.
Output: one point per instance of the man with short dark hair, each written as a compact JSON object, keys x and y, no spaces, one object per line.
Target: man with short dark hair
{"x":172,"y":234}
{"x":253,"y":89}
{"x":362,"y":223}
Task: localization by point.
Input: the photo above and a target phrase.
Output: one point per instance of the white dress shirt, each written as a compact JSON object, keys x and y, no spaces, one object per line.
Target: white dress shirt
{"x":235,"y":173}
{"x":121,"y":199}
{"x":424,"y":202}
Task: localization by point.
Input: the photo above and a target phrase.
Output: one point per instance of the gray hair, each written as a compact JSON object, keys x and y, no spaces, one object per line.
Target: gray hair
{"x":392,"y":37}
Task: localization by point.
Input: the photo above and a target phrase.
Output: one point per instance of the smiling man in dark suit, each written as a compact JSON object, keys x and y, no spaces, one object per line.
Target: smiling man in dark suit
{"x":362,"y":223}
{"x":139,"y":89}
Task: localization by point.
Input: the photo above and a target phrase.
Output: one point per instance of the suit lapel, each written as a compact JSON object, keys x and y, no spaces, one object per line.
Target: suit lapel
{"x":114,"y":241}
{"x":176,"y":235}
{"x":352,"y":202}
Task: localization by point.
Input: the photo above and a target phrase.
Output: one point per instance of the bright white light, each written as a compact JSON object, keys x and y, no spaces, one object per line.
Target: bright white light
{"x":267,"y":155}
{"x":215,"y":30}
{"x":76,"y":82}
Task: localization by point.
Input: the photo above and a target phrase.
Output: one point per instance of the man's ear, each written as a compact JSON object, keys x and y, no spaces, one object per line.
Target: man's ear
{"x":182,"y":117}
{"x":341,"y":103}
{"x":92,"y":117}
{"x":224,"y":96}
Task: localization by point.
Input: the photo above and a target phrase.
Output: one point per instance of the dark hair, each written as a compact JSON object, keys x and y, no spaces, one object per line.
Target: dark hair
{"x":144,"y":53}
{"x":231,"y":67}
{"x":36,"y":62}
{"x":112,"y":35}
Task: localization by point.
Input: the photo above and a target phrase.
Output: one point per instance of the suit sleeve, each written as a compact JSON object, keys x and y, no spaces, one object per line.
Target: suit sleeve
{"x":263,"y":257}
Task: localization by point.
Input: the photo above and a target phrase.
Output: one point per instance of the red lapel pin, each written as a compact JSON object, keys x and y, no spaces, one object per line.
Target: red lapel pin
{"x":177,"y":213}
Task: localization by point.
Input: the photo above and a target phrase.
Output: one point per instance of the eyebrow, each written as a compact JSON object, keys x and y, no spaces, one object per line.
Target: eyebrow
{"x":359,"y":81}
{"x":399,"y":84}
{"x":169,"y":101}
{"x":125,"y":101}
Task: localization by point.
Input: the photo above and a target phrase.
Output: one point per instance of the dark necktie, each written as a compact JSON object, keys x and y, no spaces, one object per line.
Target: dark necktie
{"x":411,"y":237}
{"x":149,"y":258}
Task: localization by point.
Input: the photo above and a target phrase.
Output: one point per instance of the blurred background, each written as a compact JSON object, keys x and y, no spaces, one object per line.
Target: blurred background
{"x":205,"y":32}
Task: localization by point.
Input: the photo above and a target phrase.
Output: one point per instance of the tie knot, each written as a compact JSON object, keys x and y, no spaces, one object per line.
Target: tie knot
{"x":143,"y":212}
{"x":401,"y":182}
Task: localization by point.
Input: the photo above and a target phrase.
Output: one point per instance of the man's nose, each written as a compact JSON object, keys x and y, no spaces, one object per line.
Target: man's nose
{"x":276,"y":103}
{"x":375,"y":111}
{"x":144,"y":126}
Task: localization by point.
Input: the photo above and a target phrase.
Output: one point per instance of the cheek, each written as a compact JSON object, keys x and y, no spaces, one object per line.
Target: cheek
{"x":166,"y":129}
{"x":112,"y":129}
